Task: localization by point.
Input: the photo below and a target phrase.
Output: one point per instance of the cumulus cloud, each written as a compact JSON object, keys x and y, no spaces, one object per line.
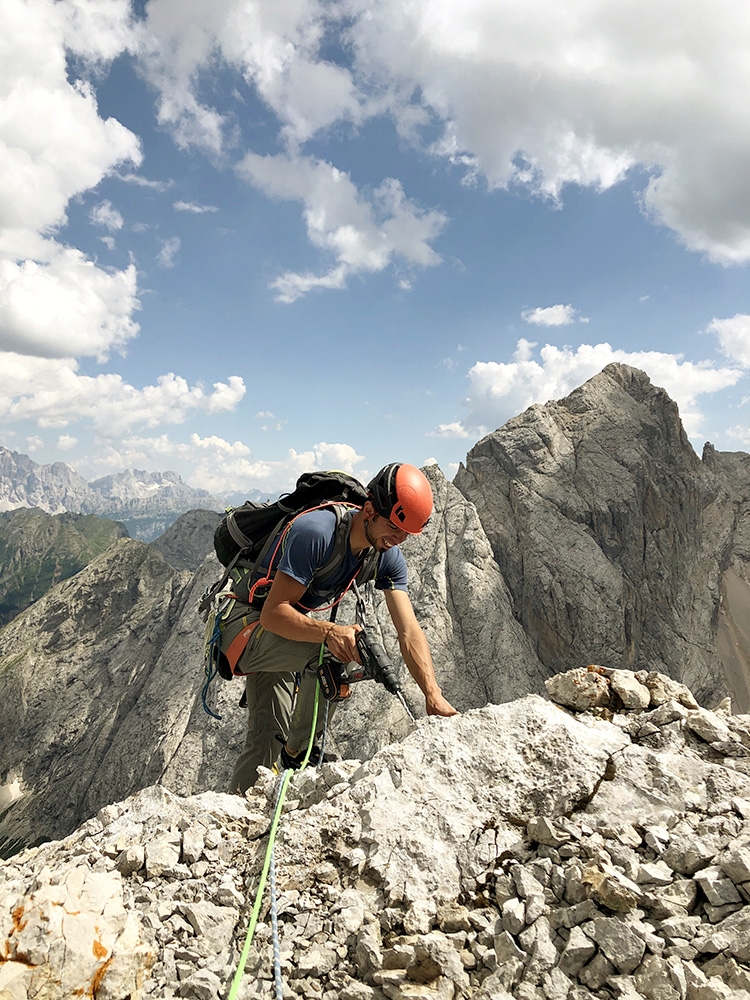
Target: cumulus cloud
{"x":105,"y":214}
{"x":538,"y":95}
{"x":543,"y":95}
{"x":53,"y":143}
{"x":558,"y":315}
{"x":500,"y":390}
{"x":62,"y":305}
{"x":66,"y":442}
{"x":276,"y":47}
{"x":54,"y":146}
{"x":51,"y":393}
{"x":363,"y":235}
{"x":734,"y":337}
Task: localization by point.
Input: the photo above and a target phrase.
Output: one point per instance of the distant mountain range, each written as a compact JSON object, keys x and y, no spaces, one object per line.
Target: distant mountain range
{"x":147,"y":503}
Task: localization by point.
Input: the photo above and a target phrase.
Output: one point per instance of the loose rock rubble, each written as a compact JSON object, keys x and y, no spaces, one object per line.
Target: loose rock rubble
{"x":522,"y":850}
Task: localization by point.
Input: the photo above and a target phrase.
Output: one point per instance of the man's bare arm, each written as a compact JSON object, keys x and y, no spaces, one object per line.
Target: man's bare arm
{"x":416,"y":652}
{"x":280,"y":617}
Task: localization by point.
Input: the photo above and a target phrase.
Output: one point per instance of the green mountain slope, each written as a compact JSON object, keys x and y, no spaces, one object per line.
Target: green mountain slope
{"x":38,"y":550}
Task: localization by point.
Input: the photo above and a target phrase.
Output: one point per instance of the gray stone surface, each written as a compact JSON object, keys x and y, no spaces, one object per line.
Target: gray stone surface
{"x":612,"y":535}
{"x":416,"y":875}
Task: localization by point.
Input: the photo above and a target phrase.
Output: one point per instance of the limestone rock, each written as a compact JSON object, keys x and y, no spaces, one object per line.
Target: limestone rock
{"x":612,"y":535}
{"x":455,"y":864}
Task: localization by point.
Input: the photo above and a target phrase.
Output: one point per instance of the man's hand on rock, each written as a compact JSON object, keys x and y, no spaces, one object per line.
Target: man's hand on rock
{"x":438,"y":705}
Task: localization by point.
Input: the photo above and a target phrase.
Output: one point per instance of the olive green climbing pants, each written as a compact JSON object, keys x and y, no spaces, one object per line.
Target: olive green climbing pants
{"x":274,"y":716}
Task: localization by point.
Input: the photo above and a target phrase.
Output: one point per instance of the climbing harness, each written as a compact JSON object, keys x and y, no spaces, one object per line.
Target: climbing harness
{"x":237,"y":586}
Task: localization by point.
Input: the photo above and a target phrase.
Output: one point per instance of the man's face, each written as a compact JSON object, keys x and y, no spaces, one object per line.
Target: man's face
{"x":382,"y":534}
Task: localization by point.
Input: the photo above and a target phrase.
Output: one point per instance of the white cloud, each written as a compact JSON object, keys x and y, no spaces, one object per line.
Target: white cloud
{"x":734,"y":337}
{"x":105,"y":214}
{"x":137,"y":179}
{"x":55,"y":146}
{"x":190,"y":206}
{"x":221,"y":466}
{"x":276,"y":47}
{"x":362,"y":235}
{"x":51,"y":393}
{"x":99,"y":30}
{"x":453,"y":430}
{"x":535,"y":94}
{"x":65,"y":442}
{"x":558,"y":315}
{"x":62,"y":305}
{"x":34,"y":444}
{"x":215,"y":444}
{"x":499,"y":391}
{"x":543,"y":95}
{"x":169,"y":250}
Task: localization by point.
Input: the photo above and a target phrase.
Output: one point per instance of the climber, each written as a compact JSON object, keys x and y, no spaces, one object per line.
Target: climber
{"x":284,"y":642}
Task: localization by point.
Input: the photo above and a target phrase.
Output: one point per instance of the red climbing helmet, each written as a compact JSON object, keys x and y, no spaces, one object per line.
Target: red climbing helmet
{"x":401,"y":493}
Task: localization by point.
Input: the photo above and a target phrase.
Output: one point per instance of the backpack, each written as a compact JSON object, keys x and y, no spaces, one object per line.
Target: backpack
{"x":245,"y":529}
{"x":243,"y":538}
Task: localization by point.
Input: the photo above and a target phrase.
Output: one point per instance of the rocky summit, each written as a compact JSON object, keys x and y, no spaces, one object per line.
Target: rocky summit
{"x":596,"y":845}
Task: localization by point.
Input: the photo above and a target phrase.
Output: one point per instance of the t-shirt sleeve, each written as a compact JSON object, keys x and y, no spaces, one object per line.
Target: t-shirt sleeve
{"x":392,"y":574}
{"x":306,"y":547}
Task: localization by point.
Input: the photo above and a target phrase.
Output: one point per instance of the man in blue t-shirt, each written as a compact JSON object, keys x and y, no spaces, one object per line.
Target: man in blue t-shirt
{"x":285,"y":641}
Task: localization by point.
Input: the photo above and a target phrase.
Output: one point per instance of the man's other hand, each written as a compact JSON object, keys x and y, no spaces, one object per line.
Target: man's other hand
{"x":438,"y":705}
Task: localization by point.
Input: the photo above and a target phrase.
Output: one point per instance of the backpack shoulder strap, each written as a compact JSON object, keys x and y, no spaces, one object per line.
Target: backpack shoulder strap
{"x":344,"y":514}
{"x":369,"y":568}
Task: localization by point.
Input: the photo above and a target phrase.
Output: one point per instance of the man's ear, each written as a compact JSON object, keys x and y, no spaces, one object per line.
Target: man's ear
{"x":369,"y":510}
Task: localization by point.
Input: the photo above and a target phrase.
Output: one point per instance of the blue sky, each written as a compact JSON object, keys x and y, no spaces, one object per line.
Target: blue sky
{"x":248,"y":238}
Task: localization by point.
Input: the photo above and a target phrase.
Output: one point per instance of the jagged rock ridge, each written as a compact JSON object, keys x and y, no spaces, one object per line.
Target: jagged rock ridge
{"x":591,"y":541}
{"x":517,"y":851}
{"x":612,"y":536}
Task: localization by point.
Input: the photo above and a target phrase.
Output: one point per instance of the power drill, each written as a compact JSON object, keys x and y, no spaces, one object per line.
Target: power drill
{"x":336,"y":677}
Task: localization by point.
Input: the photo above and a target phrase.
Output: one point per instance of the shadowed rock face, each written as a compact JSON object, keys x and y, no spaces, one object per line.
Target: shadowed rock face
{"x":610,"y":533}
{"x":583,"y":531}
{"x":38,"y":550}
{"x":186,"y":543}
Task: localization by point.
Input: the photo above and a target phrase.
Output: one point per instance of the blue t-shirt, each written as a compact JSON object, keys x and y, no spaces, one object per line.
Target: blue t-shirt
{"x":308,"y":545}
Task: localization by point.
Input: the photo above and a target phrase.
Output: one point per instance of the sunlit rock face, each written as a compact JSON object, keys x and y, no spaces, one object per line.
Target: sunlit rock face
{"x":525,"y":850}
{"x":613,"y":536}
